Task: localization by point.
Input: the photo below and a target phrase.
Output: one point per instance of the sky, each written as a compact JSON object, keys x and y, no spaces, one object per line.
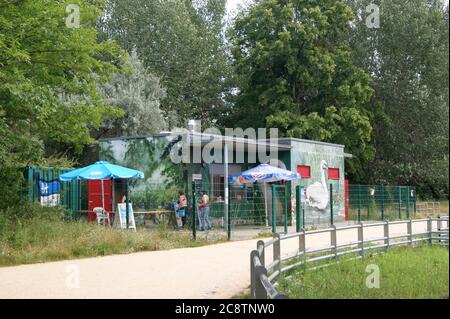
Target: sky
{"x":232,"y":5}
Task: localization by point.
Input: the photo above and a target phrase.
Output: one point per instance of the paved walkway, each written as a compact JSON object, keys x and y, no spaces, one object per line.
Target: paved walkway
{"x":215,"y":271}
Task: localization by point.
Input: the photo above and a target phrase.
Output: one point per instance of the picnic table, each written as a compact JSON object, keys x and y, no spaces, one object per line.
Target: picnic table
{"x":158,"y":216}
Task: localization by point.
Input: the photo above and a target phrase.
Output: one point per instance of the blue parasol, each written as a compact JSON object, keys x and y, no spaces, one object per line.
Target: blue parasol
{"x":101,"y":171}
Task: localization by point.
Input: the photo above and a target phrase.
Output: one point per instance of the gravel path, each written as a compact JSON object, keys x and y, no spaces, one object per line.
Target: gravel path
{"x":215,"y":271}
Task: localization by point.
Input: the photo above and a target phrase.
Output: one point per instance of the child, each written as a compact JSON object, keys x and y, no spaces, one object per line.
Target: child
{"x":176,"y":207}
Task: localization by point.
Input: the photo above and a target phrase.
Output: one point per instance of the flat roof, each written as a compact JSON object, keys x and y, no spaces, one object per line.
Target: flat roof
{"x":294,"y":139}
{"x":282,"y":143}
{"x":207,"y":138}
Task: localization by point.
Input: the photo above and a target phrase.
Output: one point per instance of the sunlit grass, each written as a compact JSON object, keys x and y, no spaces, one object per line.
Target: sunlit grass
{"x":42,"y":238}
{"x":405,"y":272}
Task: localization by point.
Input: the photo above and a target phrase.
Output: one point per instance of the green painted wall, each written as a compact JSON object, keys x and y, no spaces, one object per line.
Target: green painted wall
{"x":312,"y":154}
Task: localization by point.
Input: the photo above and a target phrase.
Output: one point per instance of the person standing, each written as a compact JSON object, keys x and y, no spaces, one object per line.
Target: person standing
{"x":183,"y":206}
{"x":206,"y":224}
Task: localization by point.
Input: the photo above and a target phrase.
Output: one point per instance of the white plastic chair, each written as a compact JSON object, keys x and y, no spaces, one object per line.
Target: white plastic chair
{"x":102,"y":215}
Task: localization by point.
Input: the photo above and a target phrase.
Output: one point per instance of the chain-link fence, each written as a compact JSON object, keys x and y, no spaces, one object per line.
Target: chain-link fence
{"x":249,"y":210}
{"x":321,"y":204}
{"x":260,"y":207}
{"x":380,"y":202}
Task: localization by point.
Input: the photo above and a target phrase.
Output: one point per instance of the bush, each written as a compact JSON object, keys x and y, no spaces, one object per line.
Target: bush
{"x":11,"y":187}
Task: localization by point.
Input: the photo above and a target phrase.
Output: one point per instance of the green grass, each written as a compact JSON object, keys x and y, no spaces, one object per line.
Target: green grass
{"x":39,"y":235}
{"x":406,"y":272}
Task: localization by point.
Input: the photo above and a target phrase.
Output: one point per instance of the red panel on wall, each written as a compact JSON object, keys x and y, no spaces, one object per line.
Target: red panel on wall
{"x":304,"y":171}
{"x":95,"y":197}
{"x":333,"y":173}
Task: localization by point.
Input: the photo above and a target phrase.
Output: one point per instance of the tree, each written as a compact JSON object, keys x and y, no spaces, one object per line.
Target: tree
{"x":296,"y":73}
{"x":181,"y":42}
{"x":407,"y":57}
{"x":41,"y":59}
{"x":138,"y":93}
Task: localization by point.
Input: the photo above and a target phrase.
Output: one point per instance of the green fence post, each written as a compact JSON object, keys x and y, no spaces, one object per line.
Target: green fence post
{"x":382,"y":202}
{"x":302,"y":210}
{"x":297,"y":207}
{"x":194,"y":212}
{"x":359,"y":203}
{"x":229,"y":214}
{"x":415,"y":202}
{"x":30,"y":184}
{"x":274,"y":202}
{"x":285,"y":208}
{"x":408,"y":208}
{"x":331,"y":204}
{"x":399,"y":202}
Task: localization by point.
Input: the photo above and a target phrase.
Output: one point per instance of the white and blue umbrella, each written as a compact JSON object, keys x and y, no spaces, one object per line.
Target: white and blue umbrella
{"x":264,"y":173}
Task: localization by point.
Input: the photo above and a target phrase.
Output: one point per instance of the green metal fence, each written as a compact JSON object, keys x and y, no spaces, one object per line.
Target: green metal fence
{"x":381,"y":202}
{"x":246,"y":204}
{"x":72,"y":195}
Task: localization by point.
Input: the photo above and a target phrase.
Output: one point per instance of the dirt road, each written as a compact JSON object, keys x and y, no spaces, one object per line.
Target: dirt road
{"x":216,"y":271}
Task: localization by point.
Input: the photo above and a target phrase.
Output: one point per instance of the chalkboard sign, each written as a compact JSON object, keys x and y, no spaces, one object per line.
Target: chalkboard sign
{"x":121,"y":213}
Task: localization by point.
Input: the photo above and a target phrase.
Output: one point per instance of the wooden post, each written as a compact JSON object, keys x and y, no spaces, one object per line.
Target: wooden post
{"x":277,"y":250}
{"x":386,"y":233}
{"x":410,"y":234}
{"x":430,"y":230}
{"x":333,"y":240}
{"x":302,"y":245}
{"x":253,"y":278}
{"x":361,"y":239}
{"x":260,"y":291}
{"x":262,"y":256}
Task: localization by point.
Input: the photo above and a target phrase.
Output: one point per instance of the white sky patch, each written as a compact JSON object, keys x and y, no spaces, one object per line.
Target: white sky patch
{"x":232,"y":6}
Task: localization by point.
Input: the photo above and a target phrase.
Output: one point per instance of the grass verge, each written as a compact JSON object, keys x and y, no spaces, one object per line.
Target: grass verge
{"x":405,"y":272}
{"x":36,"y":234}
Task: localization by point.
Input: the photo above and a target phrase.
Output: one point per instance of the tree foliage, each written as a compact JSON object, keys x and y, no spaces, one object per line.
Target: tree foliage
{"x":296,"y":73}
{"x":42,"y":59}
{"x":138,"y":93}
{"x":182,"y":43}
{"x":407,"y":58}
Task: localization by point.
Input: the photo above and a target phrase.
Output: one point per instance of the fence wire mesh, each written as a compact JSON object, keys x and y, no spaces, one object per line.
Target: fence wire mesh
{"x":250,"y":205}
{"x":380,"y":202}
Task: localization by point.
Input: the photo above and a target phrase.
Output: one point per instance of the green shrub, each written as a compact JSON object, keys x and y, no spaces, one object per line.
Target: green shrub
{"x":11,"y":187}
